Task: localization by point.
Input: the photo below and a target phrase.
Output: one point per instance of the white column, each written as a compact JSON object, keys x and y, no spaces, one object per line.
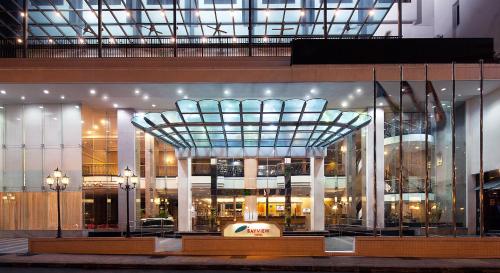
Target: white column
{"x":126,"y":157}
{"x":370,"y":201}
{"x":250,"y":182}
{"x":317,"y":174}
{"x":185,"y":194}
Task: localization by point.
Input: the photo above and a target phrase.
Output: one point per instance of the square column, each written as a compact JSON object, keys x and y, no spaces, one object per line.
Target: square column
{"x":317,"y":167}
{"x":250,"y":182}
{"x":185,"y":195}
{"x":150,"y":175}
{"x":126,"y":157}
{"x":369,"y":170}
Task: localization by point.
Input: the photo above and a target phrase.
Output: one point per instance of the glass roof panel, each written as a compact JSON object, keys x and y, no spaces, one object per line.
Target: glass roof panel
{"x":172,"y":116}
{"x":211,"y":117}
{"x":209,"y":106}
{"x":187,"y":106}
{"x":294,"y":105}
{"x":315,"y":105}
{"x":230,"y":106}
{"x":275,"y":129}
{"x":273,"y":21}
{"x":272,"y":106}
{"x":251,"y":105}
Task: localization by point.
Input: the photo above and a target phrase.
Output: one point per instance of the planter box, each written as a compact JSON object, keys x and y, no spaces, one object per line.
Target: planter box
{"x":265,"y":246}
{"x":431,"y":247}
{"x":106,"y":245}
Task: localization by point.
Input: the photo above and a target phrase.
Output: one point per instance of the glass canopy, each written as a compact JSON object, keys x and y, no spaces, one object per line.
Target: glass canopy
{"x":193,"y":18}
{"x":251,"y":123}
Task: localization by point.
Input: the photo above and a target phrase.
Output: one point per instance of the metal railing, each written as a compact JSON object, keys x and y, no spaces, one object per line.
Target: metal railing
{"x":152,"y":47}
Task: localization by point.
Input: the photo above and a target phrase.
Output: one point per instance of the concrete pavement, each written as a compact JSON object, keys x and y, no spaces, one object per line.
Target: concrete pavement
{"x":254,"y":263}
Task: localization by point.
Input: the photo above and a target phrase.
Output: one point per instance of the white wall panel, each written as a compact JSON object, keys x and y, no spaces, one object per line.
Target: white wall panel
{"x":14,"y":125}
{"x":32,"y":123}
{"x":34,"y":171}
{"x":13,"y":169}
{"x":52,"y":125}
{"x":72,"y":125}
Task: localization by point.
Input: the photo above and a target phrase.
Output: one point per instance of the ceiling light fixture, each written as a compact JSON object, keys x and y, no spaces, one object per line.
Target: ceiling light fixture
{"x":41,"y":107}
{"x":92,"y":92}
{"x":313,"y":91}
{"x":105,"y":97}
{"x":443,"y":89}
{"x":19,"y":40}
{"x":268,"y":91}
{"x":351,"y":97}
{"x":23,"y":97}
{"x":78,"y":107}
{"x":46,"y":91}
{"x":227,"y":92}
{"x":179,"y":91}
{"x":302,"y":13}
{"x":145,"y":97}
{"x":186,"y":97}
{"x":344,"y":104}
{"x":359,"y":91}
{"x":62,"y":97}
{"x":115,"y":105}
{"x":153,"y":105}
{"x":3,"y":92}
{"x":371,"y":12}
{"x":197,"y":13}
{"x":137,"y":91}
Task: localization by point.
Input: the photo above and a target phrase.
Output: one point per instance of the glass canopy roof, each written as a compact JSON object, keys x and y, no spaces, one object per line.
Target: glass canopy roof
{"x":193,"y":18}
{"x":251,"y":123}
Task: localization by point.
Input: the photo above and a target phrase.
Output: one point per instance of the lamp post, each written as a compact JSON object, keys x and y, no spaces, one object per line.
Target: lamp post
{"x":57,"y":182}
{"x":128,"y":177}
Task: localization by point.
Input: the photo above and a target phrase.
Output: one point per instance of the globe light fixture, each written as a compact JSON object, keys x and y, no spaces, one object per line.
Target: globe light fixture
{"x":57,"y":182}
{"x":127,"y":182}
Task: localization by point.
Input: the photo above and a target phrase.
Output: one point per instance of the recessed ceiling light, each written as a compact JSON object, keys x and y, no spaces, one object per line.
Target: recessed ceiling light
{"x":381,"y":104}
{"x":443,"y":89}
{"x":186,"y":97}
{"x":105,"y":97}
{"x":459,"y":95}
{"x":19,"y":40}
{"x":145,"y":97}
{"x":153,"y":105}
{"x":3,"y":92}
{"x":63,"y":97}
{"x":137,"y":91}
{"x":115,"y":105}
{"x":227,"y":92}
{"x":23,"y":97}
{"x":92,"y":91}
{"x":350,"y":96}
{"x":479,"y":89}
{"x":313,"y":91}
{"x":46,"y":91}
{"x":179,"y":91}
{"x":344,"y":104}
{"x":268,"y":91}
{"x":77,"y":107}
{"x":359,"y":91}
{"x":41,"y":107}
{"x":54,"y":118}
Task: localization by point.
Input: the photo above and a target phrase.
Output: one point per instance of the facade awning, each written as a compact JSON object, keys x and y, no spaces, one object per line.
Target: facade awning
{"x":251,"y":123}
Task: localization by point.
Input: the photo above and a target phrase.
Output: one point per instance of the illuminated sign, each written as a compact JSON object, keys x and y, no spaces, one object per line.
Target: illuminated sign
{"x":252,"y":229}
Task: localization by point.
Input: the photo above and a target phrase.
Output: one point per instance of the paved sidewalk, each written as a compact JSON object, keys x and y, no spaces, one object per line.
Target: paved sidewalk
{"x":254,"y":263}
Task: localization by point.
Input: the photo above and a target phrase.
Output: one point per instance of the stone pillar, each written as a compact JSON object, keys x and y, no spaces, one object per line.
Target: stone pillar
{"x":288,"y":192}
{"x":317,"y":167}
{"x":250,"y":182}
{"x":150,"y":175}
{"x":185,"y":205}
{"x":126,"y":157}
{"x":370,"y":197}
